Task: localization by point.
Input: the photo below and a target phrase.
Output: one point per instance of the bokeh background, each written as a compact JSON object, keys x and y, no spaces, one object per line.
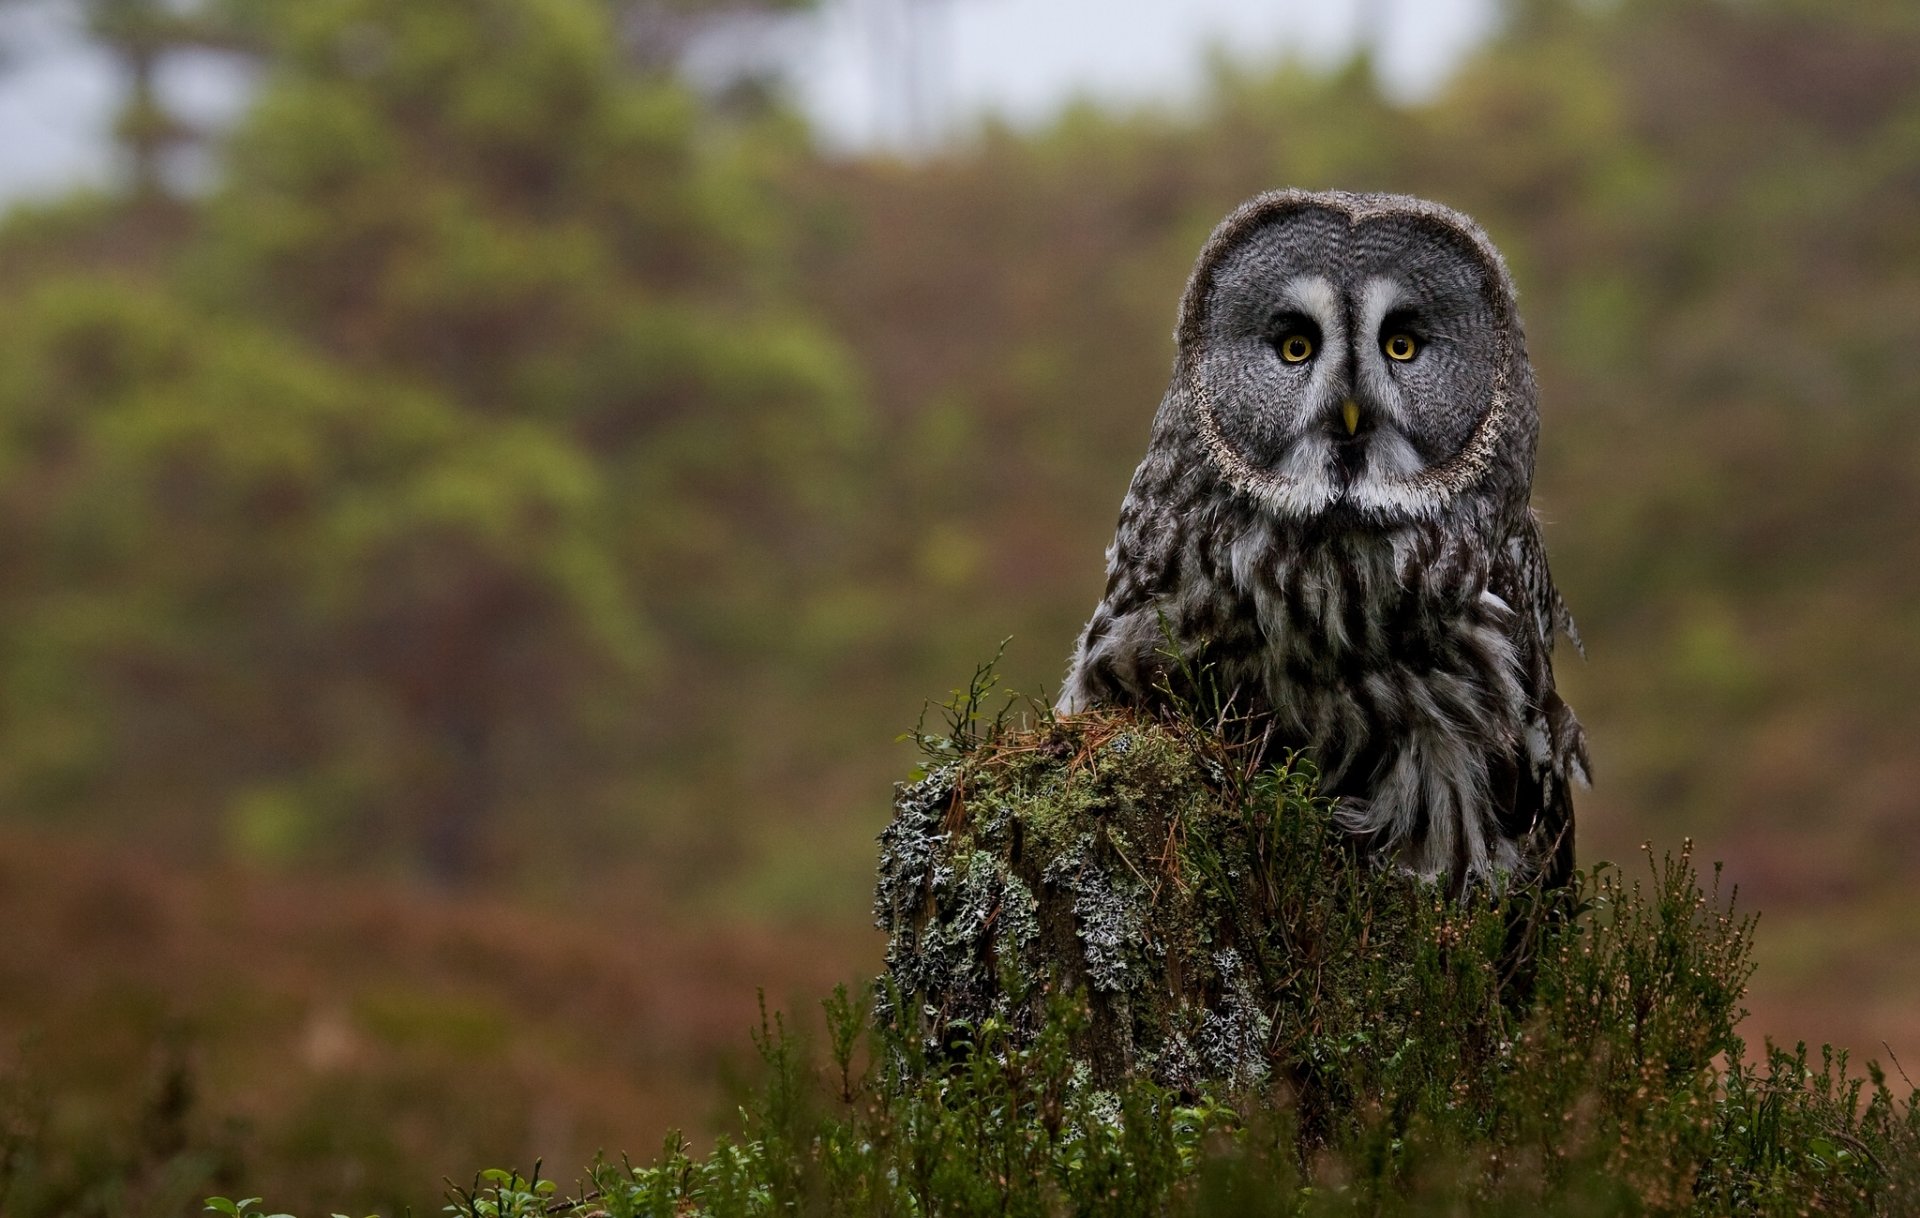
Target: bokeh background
{"x":485,"y":483}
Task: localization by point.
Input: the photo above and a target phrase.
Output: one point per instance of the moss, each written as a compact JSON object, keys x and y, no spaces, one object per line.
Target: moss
{"x":1134,"y":863}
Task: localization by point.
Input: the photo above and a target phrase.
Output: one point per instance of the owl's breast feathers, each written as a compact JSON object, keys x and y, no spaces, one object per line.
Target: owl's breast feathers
{"x":1414,"y":664}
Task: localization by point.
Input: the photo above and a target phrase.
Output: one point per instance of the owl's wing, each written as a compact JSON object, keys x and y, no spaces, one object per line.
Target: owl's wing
{"x":1158,"y":551}
{"x":1532,"y":790}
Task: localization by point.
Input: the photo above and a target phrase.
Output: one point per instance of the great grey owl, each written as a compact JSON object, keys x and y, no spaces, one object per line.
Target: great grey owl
{"x":1332,"y":526}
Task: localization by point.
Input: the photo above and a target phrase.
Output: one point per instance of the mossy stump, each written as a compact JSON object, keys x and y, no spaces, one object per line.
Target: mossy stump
{"x":1199,"y":905}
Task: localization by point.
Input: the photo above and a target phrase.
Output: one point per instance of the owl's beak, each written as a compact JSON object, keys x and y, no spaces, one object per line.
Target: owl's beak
{"x":1350,"y":415}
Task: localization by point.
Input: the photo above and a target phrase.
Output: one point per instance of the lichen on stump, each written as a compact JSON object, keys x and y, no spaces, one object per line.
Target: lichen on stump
{"x":1197,"y":901}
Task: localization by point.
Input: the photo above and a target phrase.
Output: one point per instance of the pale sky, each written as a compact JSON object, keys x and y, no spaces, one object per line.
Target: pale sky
{"x":1024,"y":59}
{"x":1020,"y":59}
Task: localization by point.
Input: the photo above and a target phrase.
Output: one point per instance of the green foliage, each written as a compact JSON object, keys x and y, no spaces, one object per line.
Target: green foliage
{"x":357,"y":519}
{"x":1407,"y":1074}
{"x":1402,"y":1082}
{"x":503,"y":1194}
{"x":246,"y":1207}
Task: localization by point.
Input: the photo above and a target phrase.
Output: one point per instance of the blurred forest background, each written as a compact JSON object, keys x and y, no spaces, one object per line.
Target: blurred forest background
{"x":464,"y":563}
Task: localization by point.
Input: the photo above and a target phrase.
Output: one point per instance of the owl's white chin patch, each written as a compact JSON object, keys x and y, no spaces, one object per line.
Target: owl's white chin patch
{"x":1308,"y":480}
{"x":1386,"y":482}
{"x":1390,"y":455}
{"x":1313,"y":478}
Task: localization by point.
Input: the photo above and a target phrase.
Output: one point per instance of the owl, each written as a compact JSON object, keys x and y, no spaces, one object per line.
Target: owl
{"x":1331,"y":532}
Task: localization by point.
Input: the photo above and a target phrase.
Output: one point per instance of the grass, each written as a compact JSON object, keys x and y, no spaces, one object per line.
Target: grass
{"x":1414,"y":1054}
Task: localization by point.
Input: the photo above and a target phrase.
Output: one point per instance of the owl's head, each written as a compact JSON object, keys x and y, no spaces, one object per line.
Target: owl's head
{"x":1355,"y":356}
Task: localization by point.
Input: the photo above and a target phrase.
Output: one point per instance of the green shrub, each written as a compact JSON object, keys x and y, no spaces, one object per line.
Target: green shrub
{"x":1495,"y":1053}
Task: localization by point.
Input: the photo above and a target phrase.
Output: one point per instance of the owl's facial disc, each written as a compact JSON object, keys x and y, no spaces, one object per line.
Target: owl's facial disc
{"x":1329,"y":423}
{"x":1345,"y":363}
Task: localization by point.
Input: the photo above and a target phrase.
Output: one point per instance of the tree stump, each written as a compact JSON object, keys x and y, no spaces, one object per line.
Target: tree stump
{"x":1204,"y":909}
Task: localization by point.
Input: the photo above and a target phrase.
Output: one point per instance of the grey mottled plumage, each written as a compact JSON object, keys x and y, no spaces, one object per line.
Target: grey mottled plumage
{"x":1332,"y":523}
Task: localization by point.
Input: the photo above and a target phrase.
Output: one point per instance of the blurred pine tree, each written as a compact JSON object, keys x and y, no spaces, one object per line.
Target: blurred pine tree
{"x":469,"y":395}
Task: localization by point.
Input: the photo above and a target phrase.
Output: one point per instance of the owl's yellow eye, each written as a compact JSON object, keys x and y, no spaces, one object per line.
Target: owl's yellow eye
{"x":1400,"y":347}
{"x":1295,"y":348}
